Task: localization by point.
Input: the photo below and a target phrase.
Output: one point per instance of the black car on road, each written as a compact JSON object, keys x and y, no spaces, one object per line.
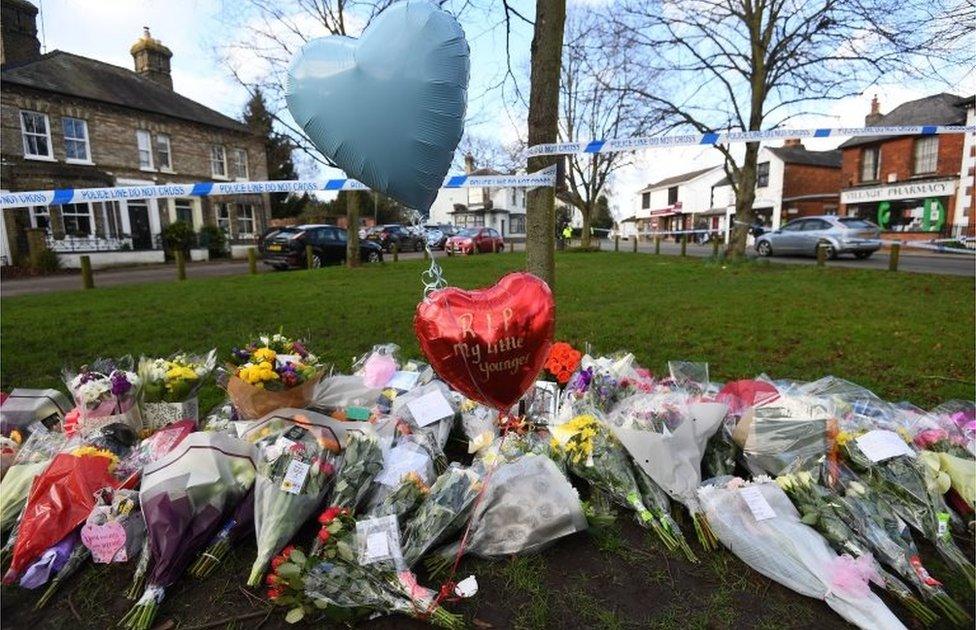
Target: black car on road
{"x":396,"y":234}
{"x":285,"y":248}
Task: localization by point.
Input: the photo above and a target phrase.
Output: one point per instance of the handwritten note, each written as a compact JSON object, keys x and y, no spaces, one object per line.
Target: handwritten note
{"x":404,"y":380}
{"x":879,"y":445}
{"x":757,"y":503}
{"x":400,"y":461}
{"x":430,"y":408}
{"x":377,"y":546}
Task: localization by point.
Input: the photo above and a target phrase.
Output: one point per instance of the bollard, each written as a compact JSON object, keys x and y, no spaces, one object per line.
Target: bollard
{"x":395,"y":248}
{"x":252,"y":260}
{"x":309,"y":257}
{"x":616,"y":243}
{"x":657,"y":244}
{"x":821,"y":254}
{"x":87,"y":280}
{"x":715,"y":248}
{"x":684,"y":244}
{"x":635,"y":243}
{"x":894,"y":256}
{"x":180,"y":264}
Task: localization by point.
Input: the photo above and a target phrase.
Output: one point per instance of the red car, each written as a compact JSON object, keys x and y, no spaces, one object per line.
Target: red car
{"x":474,"y":241}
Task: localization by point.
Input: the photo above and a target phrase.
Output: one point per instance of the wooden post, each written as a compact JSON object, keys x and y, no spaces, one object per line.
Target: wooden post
{"x":395,"y":248}
{"x":657,"y":244}
{"x":616,"y":243}
{"x":36,"y":244}
{"x":821,"y":254}
{"x":87,"y":280}
{"x":309,"y":257}
{"x":252,"y":260}
{"x":636,"y":238}
{"x":715,"y":248}
{"x":894,"y":256}
{"x":180,"y":264}
{"x":684,"y":244}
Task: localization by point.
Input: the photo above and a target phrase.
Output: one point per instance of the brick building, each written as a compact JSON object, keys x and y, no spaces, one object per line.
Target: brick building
{"x":909,"y":184}
{"x":68,"y":121}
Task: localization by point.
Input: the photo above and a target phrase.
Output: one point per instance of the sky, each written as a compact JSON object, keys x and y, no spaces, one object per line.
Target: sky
{"x":195,"y":30}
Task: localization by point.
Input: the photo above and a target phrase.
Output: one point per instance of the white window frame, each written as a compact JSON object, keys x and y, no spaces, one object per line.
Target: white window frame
{"x":49,"y":157}
{"x":223,"y":222}
{"x":185,"y":204}
{"x":83,"y":139}
{"x":934,"y":155}
{"x":876,"y":172}
{"x":241,"y":233}
{"x":161,"y":139}
{"x":40,"y":211}
{"x":214,"y":161}
{"x":91,"y":217}
{"x":147,"y":150}
{"x":238,"y":161}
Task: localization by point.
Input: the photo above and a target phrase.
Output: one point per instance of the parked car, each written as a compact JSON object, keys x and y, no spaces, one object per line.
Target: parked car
{"x":437,"y":235}
{"x":841,"y":235}
{"x":474,"y":240}
{"x":388,"y":235}
{"x":285,"y":248}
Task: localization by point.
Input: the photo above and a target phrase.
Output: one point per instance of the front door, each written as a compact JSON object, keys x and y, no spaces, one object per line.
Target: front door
{"x":139,"y":225}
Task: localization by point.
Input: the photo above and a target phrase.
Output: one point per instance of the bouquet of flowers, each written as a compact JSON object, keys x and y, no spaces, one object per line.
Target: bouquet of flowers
{"x":757,"y":522}
{"x":562,"y":362}
{"x":528,"y":504}
{"x":409,"y":457}
{"x":50,"y":562}
{"x":105,"y":392}
{"x":154,"y":447}
{"x":185,"y":497}
{"x":337,"y":583}
{"x":821,"y":511}
{"x":427,"y":412}
{"x":235,"y":528}
{"x":272,"y":372}
{"x":62,"y":496}
{"x":296,"y":463}
{"x":170,"y":386}
{"x":362,"y":460}
{"x":403,"y":499}
{"x":946,"y":454}
{"x":32,"y":458}
{"x":76,"y":560}
{"x":666,"y":435}
{"x":443,"y":512}
{"x":593,"y":453}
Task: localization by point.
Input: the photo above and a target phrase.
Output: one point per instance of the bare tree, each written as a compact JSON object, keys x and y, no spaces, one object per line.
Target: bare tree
{"x":593,"y":104}
{"x":543,"y":122}
{"x":490,"y":153}
{"x":756,"y":64}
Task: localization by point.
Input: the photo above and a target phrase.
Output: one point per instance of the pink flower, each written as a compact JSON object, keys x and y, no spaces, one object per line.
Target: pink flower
{"x":928,"y":437}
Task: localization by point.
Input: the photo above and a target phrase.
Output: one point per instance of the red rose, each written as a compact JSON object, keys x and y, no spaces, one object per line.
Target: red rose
{"x":271,"y":579}
{"x":286,"y":552}
{"x":328,"y":515}
{"x":323,"y":535}
{"x":274,"y":592}
{"x":277,"y":561}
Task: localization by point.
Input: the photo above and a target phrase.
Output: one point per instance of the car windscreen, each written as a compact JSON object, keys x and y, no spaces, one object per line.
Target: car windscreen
{"x":285,"y":234}
{"x":854,"y":223}
{"x":469,"y":232}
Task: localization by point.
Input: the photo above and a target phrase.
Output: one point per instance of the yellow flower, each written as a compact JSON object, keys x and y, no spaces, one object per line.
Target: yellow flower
{"x":176,"y":372}
{"x":91,"y":451}
{"x":263,"y":354}
{"x":904,"y":434}
{"x":843,"y":437}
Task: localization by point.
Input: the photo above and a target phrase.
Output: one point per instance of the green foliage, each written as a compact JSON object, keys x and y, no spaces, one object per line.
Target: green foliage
{"x":214,"y":239}
{"x":48,"y":261}
{"x":178,"y":235}
{"x":278,"y":148}
{"x":601,"y":214}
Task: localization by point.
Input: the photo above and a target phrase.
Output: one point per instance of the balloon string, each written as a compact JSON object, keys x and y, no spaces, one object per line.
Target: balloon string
{"x":433,"y":277}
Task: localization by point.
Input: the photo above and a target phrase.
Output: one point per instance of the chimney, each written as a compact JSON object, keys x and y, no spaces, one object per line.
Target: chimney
{"x":874,"y":118}
{"x":152,"y":59}
{"x":18,"y":32}
{"x":794,"y":143}
{"x":469,"y":164}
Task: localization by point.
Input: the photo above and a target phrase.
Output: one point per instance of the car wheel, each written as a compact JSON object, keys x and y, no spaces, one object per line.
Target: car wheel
{"x":862,"y":255}
{"x":373,"y":257}
{"x":831,"y":251}
{"x":764,"y":249}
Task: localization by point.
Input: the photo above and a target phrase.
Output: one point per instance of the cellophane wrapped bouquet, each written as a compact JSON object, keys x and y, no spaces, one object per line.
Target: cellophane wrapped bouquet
{"x":442,"y":513}
{"x":32,"y":458}
{"x":757,"y":522}
{"x":296,"y":460}
{"x":105,"y":391}
{"x":170,"y":386}
{"x":272,"y":372}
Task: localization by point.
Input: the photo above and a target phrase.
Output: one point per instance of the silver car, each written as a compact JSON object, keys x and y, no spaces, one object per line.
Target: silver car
{"x":840,"y":235}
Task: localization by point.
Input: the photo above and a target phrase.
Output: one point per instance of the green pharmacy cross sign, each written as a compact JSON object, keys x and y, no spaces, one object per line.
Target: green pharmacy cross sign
{"x":933,"y":214}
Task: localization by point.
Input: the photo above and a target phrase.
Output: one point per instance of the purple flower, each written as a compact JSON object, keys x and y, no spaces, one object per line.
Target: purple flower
{"x":241,"y":355}
{"x":299,"y":349}
{"x":581,"y":381}
{"x":120,"y":383}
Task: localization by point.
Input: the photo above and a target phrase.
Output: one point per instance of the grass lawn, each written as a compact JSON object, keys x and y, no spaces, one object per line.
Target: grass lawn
{"x":904,"y":336}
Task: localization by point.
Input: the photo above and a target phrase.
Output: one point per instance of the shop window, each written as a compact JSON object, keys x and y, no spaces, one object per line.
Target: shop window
{"x":36,"y":134}
{"x":762,"y":175}
{"x":75,"y":140}
{"x":869,"y":164}
{"x":77,"y":219}
{"x":926,"y":154}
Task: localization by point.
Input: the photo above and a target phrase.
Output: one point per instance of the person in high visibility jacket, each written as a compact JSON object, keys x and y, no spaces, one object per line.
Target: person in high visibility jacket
{"x":567,"y":232}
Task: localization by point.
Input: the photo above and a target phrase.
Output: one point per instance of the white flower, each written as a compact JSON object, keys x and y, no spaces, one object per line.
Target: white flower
{"x":265,"y":341}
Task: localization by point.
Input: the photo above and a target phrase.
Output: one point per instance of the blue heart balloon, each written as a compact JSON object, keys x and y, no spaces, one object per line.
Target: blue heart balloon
{"x":388,"y":108}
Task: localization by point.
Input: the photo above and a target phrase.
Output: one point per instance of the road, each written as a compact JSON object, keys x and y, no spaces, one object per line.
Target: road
{"x":958,"y":265}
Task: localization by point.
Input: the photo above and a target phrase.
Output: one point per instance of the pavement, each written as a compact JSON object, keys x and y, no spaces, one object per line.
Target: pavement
{"x":912,"y":262}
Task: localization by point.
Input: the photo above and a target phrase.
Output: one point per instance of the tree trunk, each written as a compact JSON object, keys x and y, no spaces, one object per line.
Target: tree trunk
{"x":744,"y":199}
{"x":352,"y":229}
{"x":540,"y":211}
{"x":587,"y":212}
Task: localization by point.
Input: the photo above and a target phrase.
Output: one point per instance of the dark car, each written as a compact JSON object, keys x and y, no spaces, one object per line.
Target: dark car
{"x":474,"y":241}
{"x":437,"y":235}
{"x":285,"y":248}
{"x":394,"y":234}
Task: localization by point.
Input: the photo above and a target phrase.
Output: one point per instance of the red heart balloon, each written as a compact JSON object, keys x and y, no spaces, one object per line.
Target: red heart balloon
{"x":489,"y":344}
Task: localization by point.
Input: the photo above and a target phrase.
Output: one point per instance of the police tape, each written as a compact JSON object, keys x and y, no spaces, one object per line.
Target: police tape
{"x":545,"y":177}
{"x":613,"y":145}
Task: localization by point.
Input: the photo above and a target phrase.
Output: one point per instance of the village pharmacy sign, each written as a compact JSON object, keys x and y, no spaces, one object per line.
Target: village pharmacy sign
{"x":907,"y":190}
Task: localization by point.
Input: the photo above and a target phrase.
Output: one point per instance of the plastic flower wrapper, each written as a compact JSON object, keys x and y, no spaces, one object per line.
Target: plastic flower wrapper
{"x":666,"y":435}
{"x":50,"y":562}
{"x":408,"y":458}
{"x":154,"y":447}
{"x":902,"y":480}
{"x":272,"y":372}
{"x":377,"y":366}
{"x":827,"y":515}
{"x":235,"y":528}
{"x":115,"y":529}
{"x":78,"y":557}
{"x":362,"y":460}
{"x":418,"y":408}
{"x":593,"y":453}
{"x":757,"y":522}
{"x":343,"y":585}
{"x":478,"y":423}
{"x":597,"y":386}
{"x":866,"y":512}
{"x":296,"y":466}
{"x":443,"y":512}
{"x":185,"y":497}
{"x":222,"y":417}
{"x":402,"y":499}
{"x":170,"y":386}
{"x":105,"y":391}
{"x":690,"y":376}
{"x":62,"y":496}
{"x":527,"y":504}
{"x":32,"y":458}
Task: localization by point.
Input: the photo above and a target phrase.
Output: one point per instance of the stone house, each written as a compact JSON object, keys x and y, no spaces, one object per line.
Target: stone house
{"x":68,"y":121}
